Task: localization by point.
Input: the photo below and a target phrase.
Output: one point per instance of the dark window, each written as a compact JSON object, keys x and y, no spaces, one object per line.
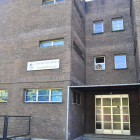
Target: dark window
{"x":78,"y":10}
{"x":78,"y":98}
{"x":78,"y":50}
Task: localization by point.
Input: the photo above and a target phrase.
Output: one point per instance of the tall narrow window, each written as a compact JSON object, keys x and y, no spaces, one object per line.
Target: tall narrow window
{"x":99,"y":63}
{"x":98,"y":27}
{"x":78,"y":98}
{"x":120,"y":61}
{"x":117,"y":24}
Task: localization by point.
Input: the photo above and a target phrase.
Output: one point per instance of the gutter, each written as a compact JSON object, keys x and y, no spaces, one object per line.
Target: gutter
{"x":109,"y":85}
{"x":67,"y":124}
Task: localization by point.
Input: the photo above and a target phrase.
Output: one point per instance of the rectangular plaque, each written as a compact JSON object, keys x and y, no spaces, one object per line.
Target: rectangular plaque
{"x":44,"y":64}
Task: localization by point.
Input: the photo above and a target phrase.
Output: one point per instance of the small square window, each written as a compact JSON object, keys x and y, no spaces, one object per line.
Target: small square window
{"x":98,"y":27}
{"x":117,"y":24}
{"x":99,"y":63}
{"x":120,"y":61}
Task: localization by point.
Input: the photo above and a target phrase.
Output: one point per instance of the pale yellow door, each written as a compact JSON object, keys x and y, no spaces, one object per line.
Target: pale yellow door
{"x":112,"y":114}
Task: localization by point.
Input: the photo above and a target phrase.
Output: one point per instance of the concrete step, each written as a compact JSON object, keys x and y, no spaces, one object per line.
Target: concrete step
{"x":109,"y":137}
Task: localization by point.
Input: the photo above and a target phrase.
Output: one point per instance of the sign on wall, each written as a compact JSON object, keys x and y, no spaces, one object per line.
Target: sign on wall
{"x":44,"y":64}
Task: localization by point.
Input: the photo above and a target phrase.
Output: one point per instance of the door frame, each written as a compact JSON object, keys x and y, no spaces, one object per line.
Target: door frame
{"x":108,"y":131}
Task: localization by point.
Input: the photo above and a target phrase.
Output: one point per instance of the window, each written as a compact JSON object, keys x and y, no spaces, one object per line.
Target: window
{"x":99,"y":63}
{"x":52,"y":43}
{"x":78,"y":98}
{"x":3,"y":95}
{"x":120,"y":61}
{"x":98,"y":27}
{"x":117,"y":24}
{"x":46,"y":2}
{"x":43,"y":95}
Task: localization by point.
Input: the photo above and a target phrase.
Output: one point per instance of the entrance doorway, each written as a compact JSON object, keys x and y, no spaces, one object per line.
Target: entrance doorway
{"x":112,"y":114}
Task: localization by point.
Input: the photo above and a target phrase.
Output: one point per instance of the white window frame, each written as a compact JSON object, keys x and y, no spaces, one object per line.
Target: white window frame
{"x":4,"y":95}
{"x":122,"y":24}
{"x":115,"y":61}
{"x":98,"y":63}
{"x":42,"y":95}
{"x":94,"y":27}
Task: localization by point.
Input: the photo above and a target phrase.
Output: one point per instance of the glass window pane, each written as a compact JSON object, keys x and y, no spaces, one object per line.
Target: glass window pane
{"x":125,"y":110}
{"x":56,"y":91}
{"x":125,"y":101}
{"x":31,"y":92}
{"x":125,"y":118}
{"x":98,"y":101}
{"x":98,"y":125}
{"x":98,"y":27}
{"x":117,"y":126}
{"x":3,"y":98}
{"x":46,"y":44}
{"x":99,"y":59}
{"x":120,"y":61}
{"x":126,"y":126}
{"x":117,"y":24}
{"x":116,"y":118}
{"x":107,"y":118}
{"x":56,"y":98}
{"x":116,"y":110}
{"x":98,"y":117}
{"x":116,"y":102}
{"x":98,"y":110}
{"x":59,"y":0}
{"x":107,"y":110}
{"x":43,"y":98}
{"x":120,"y":57}
{"x":30,"y":98}
{"x":106,"y":102}
{"x":43,"y":92}
{"x":107,"y":125}
{"x":46,"y":2}
{"x":3,"y":92}
{"x":100,"y":66}
{"x":59,"y":42}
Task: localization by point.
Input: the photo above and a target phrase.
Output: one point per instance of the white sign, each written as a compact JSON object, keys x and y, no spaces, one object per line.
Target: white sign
{"x":44,"y":64}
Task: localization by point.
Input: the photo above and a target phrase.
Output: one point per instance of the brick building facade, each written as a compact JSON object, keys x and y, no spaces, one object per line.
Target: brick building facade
{"x":94,"y":86}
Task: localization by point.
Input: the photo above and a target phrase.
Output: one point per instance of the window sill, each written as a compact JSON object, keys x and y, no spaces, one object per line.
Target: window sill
{"x":118,"y":30}
{"x":77,"y":104}
{"x":99,"y":70}
{"x":42,"y":102}
{"x":52,"y":46}
{"x":53,"y":3}
{"x":97,"y":33}
{"x":121,"y":69}
{"x":3,"y":101}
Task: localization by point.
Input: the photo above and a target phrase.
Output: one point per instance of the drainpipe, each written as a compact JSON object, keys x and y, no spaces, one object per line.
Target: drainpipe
{"x":67,"y":125}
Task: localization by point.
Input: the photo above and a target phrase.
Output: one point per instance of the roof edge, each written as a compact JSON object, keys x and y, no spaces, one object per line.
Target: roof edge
{"x":109,"y":85}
